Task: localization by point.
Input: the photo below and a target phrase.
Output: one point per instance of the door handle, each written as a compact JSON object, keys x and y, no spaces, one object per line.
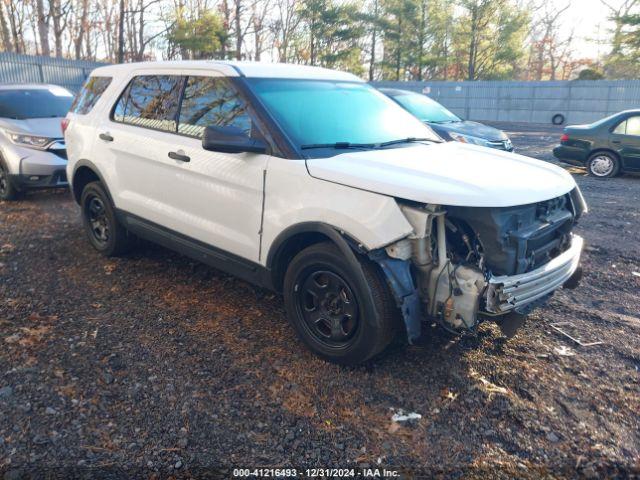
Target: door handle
{"x":181,"y":157}
{"x":616,"y":141}
{"x":106,"y":137}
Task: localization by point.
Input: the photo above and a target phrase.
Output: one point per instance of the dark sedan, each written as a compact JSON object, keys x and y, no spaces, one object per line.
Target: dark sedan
{"x":445,"y":123}
{"x":607,"y":147}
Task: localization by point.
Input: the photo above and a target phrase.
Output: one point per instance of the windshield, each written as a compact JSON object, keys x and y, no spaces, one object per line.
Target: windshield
{"x":323,"y":112}
{"x":425,"y":109}
{"x":21,"y":104}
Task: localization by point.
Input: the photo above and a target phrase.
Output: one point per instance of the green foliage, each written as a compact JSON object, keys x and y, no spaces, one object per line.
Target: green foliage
{"x":492,"y":34}
{"x":624,"y":60}
{"x":590,"y":74}
{"x":334,"y":33}
{"x":202,"y":37}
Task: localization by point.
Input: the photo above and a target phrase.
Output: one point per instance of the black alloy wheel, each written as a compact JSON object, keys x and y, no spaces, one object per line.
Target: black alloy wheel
{"x":340,"y":305}
{"x":105,"y":233}
{"x":97,"y":218}
{"x":329,"y":308}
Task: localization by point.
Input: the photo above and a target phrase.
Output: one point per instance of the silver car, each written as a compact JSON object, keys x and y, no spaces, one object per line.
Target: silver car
{"x":32,"y":149}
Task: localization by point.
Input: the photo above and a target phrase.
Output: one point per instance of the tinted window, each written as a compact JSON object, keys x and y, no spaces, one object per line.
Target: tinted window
{"x":325,"y":111}
{"x":212,"y":101}
{"x":90,"y":93}
{"x":35,"y":103}
{"x":425,"y":109}
{"x":150,"y":101}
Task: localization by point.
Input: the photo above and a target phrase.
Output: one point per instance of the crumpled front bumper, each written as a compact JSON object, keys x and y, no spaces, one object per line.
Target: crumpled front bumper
{"x":509,"y":292}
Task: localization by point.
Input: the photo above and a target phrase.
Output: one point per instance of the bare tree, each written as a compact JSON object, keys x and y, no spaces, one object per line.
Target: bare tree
{"x":43,"y":19}
{"x":4,"y":29}
{"x":617,"y":13}
{"x":284,"y":26}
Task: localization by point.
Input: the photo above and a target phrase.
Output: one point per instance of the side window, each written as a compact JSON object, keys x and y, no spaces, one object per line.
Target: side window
{"x":150,"y":101}
{"x":633,"y":126}
{"x":212,"y":101}
{"x":89,"y":94}
{"x":621,"y":129}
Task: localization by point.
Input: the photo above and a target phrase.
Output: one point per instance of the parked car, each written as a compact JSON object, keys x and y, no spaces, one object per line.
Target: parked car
{"x":312,"y":183}
{"x":447,"y":124}
{"x":607,"y":147}
{"x":32,"y":151}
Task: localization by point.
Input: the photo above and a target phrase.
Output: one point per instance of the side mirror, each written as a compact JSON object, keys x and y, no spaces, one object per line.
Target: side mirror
{"x":231,"y":140}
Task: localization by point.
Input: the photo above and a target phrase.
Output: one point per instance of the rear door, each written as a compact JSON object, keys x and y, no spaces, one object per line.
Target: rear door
{"x":625,"y":139}
{"x":79,"y":123}
{"x":164,"y":176}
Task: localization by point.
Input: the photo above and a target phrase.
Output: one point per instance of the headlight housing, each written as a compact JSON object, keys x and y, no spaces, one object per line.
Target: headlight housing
{"x":459,"y":137}
{"x":30,"y":141}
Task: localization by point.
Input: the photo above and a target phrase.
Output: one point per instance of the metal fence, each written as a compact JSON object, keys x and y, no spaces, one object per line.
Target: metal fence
{"x":531,"y":102}
{"x":579,"y":101}
{"x":15,"y":68}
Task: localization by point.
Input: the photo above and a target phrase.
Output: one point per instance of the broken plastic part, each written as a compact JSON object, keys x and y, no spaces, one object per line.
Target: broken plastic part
{"x":398,"y":274}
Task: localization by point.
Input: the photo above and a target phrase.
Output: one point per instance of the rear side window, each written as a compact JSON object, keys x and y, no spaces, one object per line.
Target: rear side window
{"x":212,"y":101}
{"x":150,"y":101}
{"x":89,"y":94}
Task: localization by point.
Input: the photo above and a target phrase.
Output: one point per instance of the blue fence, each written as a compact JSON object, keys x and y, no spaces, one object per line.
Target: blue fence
{"x":529,"y":102}
{"x":15,"y":68}
{"x":579,"y":101}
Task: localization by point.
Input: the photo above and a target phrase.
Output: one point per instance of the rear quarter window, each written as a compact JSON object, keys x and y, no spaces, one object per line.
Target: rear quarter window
{"x":89,"y":94}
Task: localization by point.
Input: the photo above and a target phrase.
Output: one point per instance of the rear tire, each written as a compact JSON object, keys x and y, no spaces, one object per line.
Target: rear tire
{"x":104,"y":231}
{"x":8,"y":191}
{"x":603,"y":165}
{"x":344,"y":314}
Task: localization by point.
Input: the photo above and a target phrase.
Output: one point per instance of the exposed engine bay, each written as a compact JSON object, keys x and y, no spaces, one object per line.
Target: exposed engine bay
{"x":469,"y":263}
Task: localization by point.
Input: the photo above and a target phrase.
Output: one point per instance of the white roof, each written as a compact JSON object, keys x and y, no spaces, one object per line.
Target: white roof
{"x":234,"y":69}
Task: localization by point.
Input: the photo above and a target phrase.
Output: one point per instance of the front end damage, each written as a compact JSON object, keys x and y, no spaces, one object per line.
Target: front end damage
{"x":464,"y":264}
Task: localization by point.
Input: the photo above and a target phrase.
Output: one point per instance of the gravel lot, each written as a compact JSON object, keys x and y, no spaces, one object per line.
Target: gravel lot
{"x":153,"y":365}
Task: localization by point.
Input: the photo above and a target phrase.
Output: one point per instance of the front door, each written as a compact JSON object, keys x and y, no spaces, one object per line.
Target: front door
{"x":625,"y":139}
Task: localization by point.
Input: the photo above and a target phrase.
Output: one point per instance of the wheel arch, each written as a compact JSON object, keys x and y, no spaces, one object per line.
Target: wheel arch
{"x":605,"y":150}
{"x":297,"y":237}
{"x":86,"y":172}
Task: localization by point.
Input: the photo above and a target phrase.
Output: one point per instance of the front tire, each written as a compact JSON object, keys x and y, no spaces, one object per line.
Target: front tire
{"x":7,"y":190}
{"x":344,"y":314}
{"x":603,"y":165}
{"x":104,"y":231}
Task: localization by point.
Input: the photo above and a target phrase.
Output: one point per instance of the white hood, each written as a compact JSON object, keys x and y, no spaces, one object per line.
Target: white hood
{"x":449,"y":173}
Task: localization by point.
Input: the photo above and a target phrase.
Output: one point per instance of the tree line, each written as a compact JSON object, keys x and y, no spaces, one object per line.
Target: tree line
{"x":376,"y":39}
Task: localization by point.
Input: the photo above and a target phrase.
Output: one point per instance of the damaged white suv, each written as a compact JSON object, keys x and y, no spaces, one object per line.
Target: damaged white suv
{"x":312,"y":183}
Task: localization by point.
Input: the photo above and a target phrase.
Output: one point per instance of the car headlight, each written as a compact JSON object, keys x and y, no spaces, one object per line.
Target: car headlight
{"x":459,"y":137}
{"x":31,"y":141}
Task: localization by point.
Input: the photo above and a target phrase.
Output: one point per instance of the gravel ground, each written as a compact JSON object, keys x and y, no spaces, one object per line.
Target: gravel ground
{"x":153,"y":365}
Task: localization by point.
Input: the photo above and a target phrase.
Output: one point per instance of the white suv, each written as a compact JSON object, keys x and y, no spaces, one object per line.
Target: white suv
{"x":312,"y":183}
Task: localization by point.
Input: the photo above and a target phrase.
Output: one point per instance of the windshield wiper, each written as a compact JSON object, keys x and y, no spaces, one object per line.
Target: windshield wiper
{"x":405,"y":140}
{"x":338,"y":145}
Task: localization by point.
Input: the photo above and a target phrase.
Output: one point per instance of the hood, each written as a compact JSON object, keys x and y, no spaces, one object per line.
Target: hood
{"x":474,"y":129}
{"x":44,"y":127}
{"x":450,"y":173}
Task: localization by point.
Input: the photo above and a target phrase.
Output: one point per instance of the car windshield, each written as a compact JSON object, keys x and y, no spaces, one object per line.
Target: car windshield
{"x":316,"y":113}
{"x":425,"y":109}
{"x":26,"y":103}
